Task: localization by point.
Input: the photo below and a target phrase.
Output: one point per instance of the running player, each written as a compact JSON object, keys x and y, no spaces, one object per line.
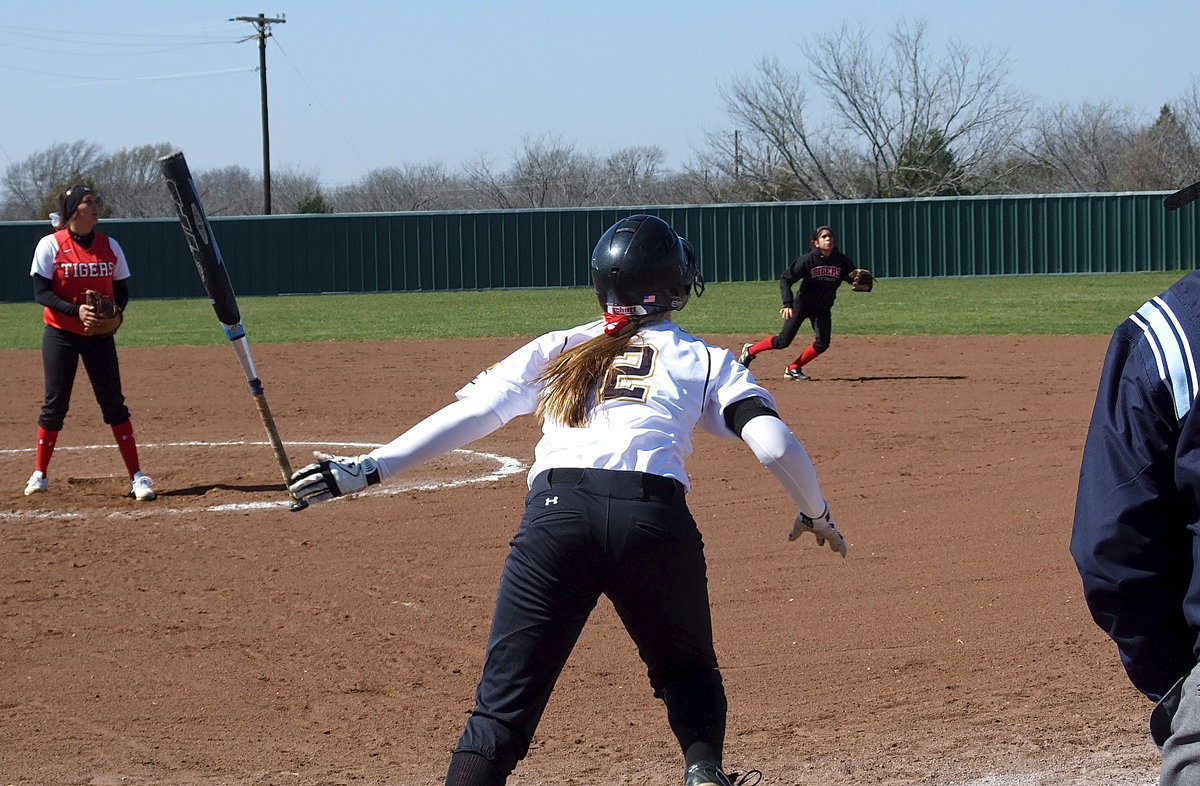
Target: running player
{"x":606,"y":511}
{"x":820,"y":272}
{"x":67,"y":263}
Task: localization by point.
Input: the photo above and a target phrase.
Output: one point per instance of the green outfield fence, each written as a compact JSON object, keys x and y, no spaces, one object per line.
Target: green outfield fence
{"x":511,"y":249}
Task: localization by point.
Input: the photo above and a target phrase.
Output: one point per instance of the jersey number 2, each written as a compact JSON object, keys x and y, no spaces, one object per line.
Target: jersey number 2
{"x":631,"y":366}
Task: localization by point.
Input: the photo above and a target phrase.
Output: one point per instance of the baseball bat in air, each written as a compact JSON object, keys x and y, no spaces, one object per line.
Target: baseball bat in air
{"x":1182,"y":197}
{"x":211,"y":267}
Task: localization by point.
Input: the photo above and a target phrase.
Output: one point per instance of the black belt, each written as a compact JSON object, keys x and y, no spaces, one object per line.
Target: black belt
{"x":654,"y":485}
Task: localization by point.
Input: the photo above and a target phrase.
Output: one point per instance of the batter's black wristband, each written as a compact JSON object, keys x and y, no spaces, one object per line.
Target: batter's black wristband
{"x":742,"y":411}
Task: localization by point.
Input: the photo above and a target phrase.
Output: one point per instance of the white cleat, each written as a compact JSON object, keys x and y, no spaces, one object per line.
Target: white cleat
{"x":140,"y":487}
{"x":38,"y":484}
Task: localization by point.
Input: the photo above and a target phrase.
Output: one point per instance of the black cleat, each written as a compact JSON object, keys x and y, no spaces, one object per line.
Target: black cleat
{"x":796,"y":374}
{"x":705,"y":774}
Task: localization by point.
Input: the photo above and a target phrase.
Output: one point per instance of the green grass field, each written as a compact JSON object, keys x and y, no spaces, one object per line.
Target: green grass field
{"x":1007,"y":305}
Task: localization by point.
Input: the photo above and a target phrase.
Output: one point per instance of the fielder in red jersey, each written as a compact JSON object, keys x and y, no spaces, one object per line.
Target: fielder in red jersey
{"x":66,"y":264}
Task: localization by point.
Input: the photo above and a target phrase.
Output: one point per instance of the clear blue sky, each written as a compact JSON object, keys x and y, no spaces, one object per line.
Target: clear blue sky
{"x":355,"y":86}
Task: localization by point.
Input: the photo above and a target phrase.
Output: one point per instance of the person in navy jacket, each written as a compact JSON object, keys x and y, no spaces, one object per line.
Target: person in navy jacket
{"x":1137,"y":515}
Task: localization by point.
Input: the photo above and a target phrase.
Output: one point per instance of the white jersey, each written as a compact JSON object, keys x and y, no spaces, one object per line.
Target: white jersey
{"x":667,"y":383}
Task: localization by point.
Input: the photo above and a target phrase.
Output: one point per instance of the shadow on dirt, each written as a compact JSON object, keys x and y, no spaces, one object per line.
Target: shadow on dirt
{"x":200,"y":491}
{"x":892,"y":377}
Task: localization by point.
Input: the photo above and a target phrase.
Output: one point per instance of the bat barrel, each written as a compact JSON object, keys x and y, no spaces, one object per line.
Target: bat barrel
{"x":1182,"y":197}
{"x":200,"y":239}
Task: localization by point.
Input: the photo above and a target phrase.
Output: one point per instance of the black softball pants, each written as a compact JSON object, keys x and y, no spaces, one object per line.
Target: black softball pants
{"x":585,"y":533}
{"x":822,"y":323}
{"x":61,"y":353}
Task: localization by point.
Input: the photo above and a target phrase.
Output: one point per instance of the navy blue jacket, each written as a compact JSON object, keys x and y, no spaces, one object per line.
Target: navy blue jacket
{"x":1134,"y":539}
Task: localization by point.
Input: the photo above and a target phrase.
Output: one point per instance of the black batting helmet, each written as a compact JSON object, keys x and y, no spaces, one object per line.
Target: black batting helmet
{"x":641,"y":266}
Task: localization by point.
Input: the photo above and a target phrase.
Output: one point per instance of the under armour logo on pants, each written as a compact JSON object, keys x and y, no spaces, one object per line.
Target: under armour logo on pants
{"x":551,"y":501}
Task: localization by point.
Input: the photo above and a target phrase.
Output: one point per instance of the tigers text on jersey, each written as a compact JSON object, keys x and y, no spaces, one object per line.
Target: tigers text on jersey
{"x":73,"y":269}
{"x":819,"y":278}
{"x":665,"y":384}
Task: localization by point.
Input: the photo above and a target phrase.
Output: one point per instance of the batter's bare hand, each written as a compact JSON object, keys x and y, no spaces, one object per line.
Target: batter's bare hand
{"x":786,"y":312}
{"x":332,"y":476}
{"x":823,"y":527}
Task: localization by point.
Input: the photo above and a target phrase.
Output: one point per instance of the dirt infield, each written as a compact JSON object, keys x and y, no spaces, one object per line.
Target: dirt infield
{"x":212,"y":638}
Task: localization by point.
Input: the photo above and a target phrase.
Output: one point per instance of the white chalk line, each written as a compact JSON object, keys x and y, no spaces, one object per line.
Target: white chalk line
{"x":505,"y":466}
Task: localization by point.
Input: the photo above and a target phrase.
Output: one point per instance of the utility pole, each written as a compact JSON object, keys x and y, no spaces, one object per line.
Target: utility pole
{"x":737,"y":157}
{"x":262,"y":24}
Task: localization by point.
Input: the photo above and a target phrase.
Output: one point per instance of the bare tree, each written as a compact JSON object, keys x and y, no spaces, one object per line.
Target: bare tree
{"x":913,"y":109}
{"x":546,"y":172}
{"x":131,"y":183}
{"x":296,"y":191}
{"x":775,"y":155}
{"x":1078,"y":149}
{"x":230,"y":191}
{"x":33,"y":185}
{"x":1188,"y":116}
{"x":902,"y":122}
{"x":486,"y":183}
{"x":1161,"y":156}
{"x":632,"y":174}
{"x":407,"y":187}
{"x":697,"y":184}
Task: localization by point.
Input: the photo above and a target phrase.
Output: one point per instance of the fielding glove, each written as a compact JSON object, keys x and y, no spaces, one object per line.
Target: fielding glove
{"x":332,"y":476}
{"x":823,"y":527}
{"x":861,"y":280}
{"x":102,"y":316}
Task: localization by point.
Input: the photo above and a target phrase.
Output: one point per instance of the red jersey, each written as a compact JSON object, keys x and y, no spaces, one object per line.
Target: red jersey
{"x":73,"y":269}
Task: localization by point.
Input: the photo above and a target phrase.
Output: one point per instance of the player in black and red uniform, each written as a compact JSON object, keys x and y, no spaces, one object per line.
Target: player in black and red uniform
{"x":66,"y":264}
{"x":820,"y":272}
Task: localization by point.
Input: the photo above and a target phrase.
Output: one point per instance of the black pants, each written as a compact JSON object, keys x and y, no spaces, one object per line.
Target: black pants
{"x":822,"y":323}
{"x":61,"y":353}
{"x":630,"y":537}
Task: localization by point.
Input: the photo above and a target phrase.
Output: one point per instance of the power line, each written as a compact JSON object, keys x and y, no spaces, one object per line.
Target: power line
{"x":77,"y":80}
{"x":119,"y":39}
{"x":123,"y":51}
{"x":317,"y":99}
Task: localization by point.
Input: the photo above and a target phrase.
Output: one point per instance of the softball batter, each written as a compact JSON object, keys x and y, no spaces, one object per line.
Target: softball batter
{"x":66,"y":264}
{"x":606,"y":512}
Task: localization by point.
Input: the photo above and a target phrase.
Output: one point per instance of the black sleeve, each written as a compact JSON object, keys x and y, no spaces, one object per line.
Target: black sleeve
{"x":788,"y":279}
{"x":742,"y":411}
{"x":43,"y":292}
{"x":121,"y":293}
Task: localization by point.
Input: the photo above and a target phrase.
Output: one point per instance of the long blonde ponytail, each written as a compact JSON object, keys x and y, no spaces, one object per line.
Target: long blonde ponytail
{"x":573,"y":377}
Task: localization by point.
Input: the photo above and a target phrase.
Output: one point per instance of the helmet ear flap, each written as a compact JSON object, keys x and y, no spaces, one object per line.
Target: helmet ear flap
{"x":695,"y":280}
